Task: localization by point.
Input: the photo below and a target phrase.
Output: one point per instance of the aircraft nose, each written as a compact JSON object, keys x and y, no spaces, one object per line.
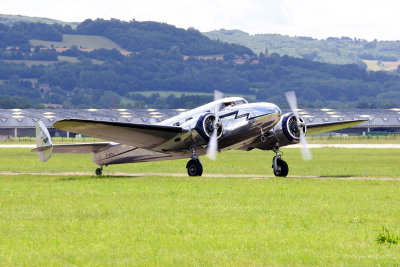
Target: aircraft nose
{"x":272,"y":108}
{"x":276,"y":109}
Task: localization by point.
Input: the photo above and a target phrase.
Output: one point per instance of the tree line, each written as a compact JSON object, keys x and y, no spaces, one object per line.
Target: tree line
{"x":119,"y":81}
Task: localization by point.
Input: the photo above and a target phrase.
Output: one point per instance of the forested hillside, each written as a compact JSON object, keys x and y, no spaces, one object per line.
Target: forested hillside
{"x":180,"y":68}
{"x":374,"y":55}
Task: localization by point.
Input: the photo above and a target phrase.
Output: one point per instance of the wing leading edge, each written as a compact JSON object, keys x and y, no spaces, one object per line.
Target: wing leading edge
{"x":136,"y":135}
{"x":331,"y":126}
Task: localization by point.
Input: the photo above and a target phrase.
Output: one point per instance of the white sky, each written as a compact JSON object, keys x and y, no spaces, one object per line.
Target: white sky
{"x":368,"y":19}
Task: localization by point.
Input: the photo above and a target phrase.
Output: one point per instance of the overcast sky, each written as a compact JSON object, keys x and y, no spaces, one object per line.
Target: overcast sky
{"x":368,"y":19}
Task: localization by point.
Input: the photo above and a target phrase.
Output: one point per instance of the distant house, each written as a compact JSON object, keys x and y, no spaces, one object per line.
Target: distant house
{"x":52,"y":106}
{"x":239,"y":61}
{"x":246,"y":56}
{"x":242,"y":60}
{"x":44,"y":87}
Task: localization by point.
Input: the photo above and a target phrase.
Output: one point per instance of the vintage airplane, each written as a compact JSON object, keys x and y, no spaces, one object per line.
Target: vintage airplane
{"x":224,"y":124}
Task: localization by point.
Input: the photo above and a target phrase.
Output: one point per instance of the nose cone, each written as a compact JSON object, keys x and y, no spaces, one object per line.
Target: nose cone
{"x":274,"y":112}
{"x":276,"y":109}
{"x":267,"y":112}
{"x":272,"y":109}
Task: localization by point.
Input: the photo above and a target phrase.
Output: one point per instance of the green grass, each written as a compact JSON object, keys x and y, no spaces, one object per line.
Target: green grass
{"x":18,"y":18}
{"x":52,"y":220}
{"x":378,"y":65}
{"x":394,"y":139}
{"x":68,"y":59}
{"x":30,"y":62}
{"x":204,"y":221}
{"x":327,"y":162}
{"x":81,"y":41}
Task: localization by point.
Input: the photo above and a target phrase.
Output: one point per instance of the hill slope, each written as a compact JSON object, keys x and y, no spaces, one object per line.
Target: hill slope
{"x":168,"y":59}
{"x":342,"y":50}
{"x":89,"y":42}
{"x":12,"y":19}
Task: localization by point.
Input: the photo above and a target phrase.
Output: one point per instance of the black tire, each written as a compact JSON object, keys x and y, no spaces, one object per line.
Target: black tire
{"x":99,"y":171}
{"x":194,"y":168}
{"x":283,"y":168}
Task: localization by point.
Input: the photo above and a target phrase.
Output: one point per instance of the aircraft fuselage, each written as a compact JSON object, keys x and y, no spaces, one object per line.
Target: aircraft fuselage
{"x":241,"y":122}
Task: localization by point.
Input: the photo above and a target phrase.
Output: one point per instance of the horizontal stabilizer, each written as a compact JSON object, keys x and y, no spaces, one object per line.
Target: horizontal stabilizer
{"x":331,"y":126}
{"x":75,"y":148}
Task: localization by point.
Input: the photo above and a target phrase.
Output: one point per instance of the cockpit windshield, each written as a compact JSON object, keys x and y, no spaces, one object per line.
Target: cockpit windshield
{"x":240,"y":102}
{"x":232,"y":103}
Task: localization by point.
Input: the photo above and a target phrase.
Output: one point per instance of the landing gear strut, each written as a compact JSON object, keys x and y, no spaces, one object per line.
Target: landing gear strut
{"x":99,"y":171}
{"x":280,"y":167}
{"x":194,"y":167}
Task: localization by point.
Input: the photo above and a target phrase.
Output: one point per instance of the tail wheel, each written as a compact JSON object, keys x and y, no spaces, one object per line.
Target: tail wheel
{"x":99,"y":171}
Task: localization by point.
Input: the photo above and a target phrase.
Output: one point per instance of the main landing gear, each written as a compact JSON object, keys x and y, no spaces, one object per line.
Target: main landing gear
{"x":280,"y":167}
{"x":194,"y":167}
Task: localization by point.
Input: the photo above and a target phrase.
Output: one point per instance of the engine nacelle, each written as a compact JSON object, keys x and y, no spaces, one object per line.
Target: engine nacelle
{"x":287,"y":131}
{"x":205,"y":126}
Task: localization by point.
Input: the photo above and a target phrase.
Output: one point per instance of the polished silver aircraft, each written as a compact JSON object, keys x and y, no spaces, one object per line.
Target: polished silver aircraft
{"x":224,"y":124}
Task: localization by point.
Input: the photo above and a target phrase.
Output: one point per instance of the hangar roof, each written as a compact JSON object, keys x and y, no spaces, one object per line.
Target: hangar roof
{"x":10,"y":118}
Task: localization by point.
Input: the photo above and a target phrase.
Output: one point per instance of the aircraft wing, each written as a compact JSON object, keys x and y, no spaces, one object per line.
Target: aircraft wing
{"x":136,"y":135}
{"x":331,"y":126}
{"x":74,"y":148}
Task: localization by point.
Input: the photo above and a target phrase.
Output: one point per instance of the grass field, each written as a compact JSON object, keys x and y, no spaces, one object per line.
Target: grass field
{"x":125,"y":220}
{"x":377,"y":65}
{"x":81,"y":41}
{"x":394,"y":139}
{"x":30,"y":62}
{"x":326,"y":162}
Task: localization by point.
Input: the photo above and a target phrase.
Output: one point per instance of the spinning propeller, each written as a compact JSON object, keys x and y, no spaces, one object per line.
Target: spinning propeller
{"x":292,"y":101}
{"x":212,"y":148}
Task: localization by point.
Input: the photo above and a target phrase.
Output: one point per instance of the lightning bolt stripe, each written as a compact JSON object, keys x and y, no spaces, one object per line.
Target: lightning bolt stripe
{"x":235,"y":113}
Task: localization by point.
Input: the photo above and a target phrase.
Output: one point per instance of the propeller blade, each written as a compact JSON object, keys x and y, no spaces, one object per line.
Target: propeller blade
{"x":292,"y":101}
{"x":305,"y":150}
{"x":218,"y":95}
{"x":212,"y":147}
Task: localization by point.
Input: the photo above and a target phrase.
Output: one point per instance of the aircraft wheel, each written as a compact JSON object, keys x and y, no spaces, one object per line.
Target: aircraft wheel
{"x":194,"y":168}
{"x":99,"y":171}
{"x":282,"y":168}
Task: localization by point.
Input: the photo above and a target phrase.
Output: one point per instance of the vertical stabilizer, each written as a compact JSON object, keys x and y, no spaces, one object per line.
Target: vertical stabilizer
{"x":43,"y":142}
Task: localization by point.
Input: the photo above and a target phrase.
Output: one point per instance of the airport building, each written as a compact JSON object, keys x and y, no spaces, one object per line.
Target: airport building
{"x":21,"y":122}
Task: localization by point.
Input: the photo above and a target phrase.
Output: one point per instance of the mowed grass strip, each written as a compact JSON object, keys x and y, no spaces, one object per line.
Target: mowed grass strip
{"x":327,"y":162}
{"x":149,"y":221}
